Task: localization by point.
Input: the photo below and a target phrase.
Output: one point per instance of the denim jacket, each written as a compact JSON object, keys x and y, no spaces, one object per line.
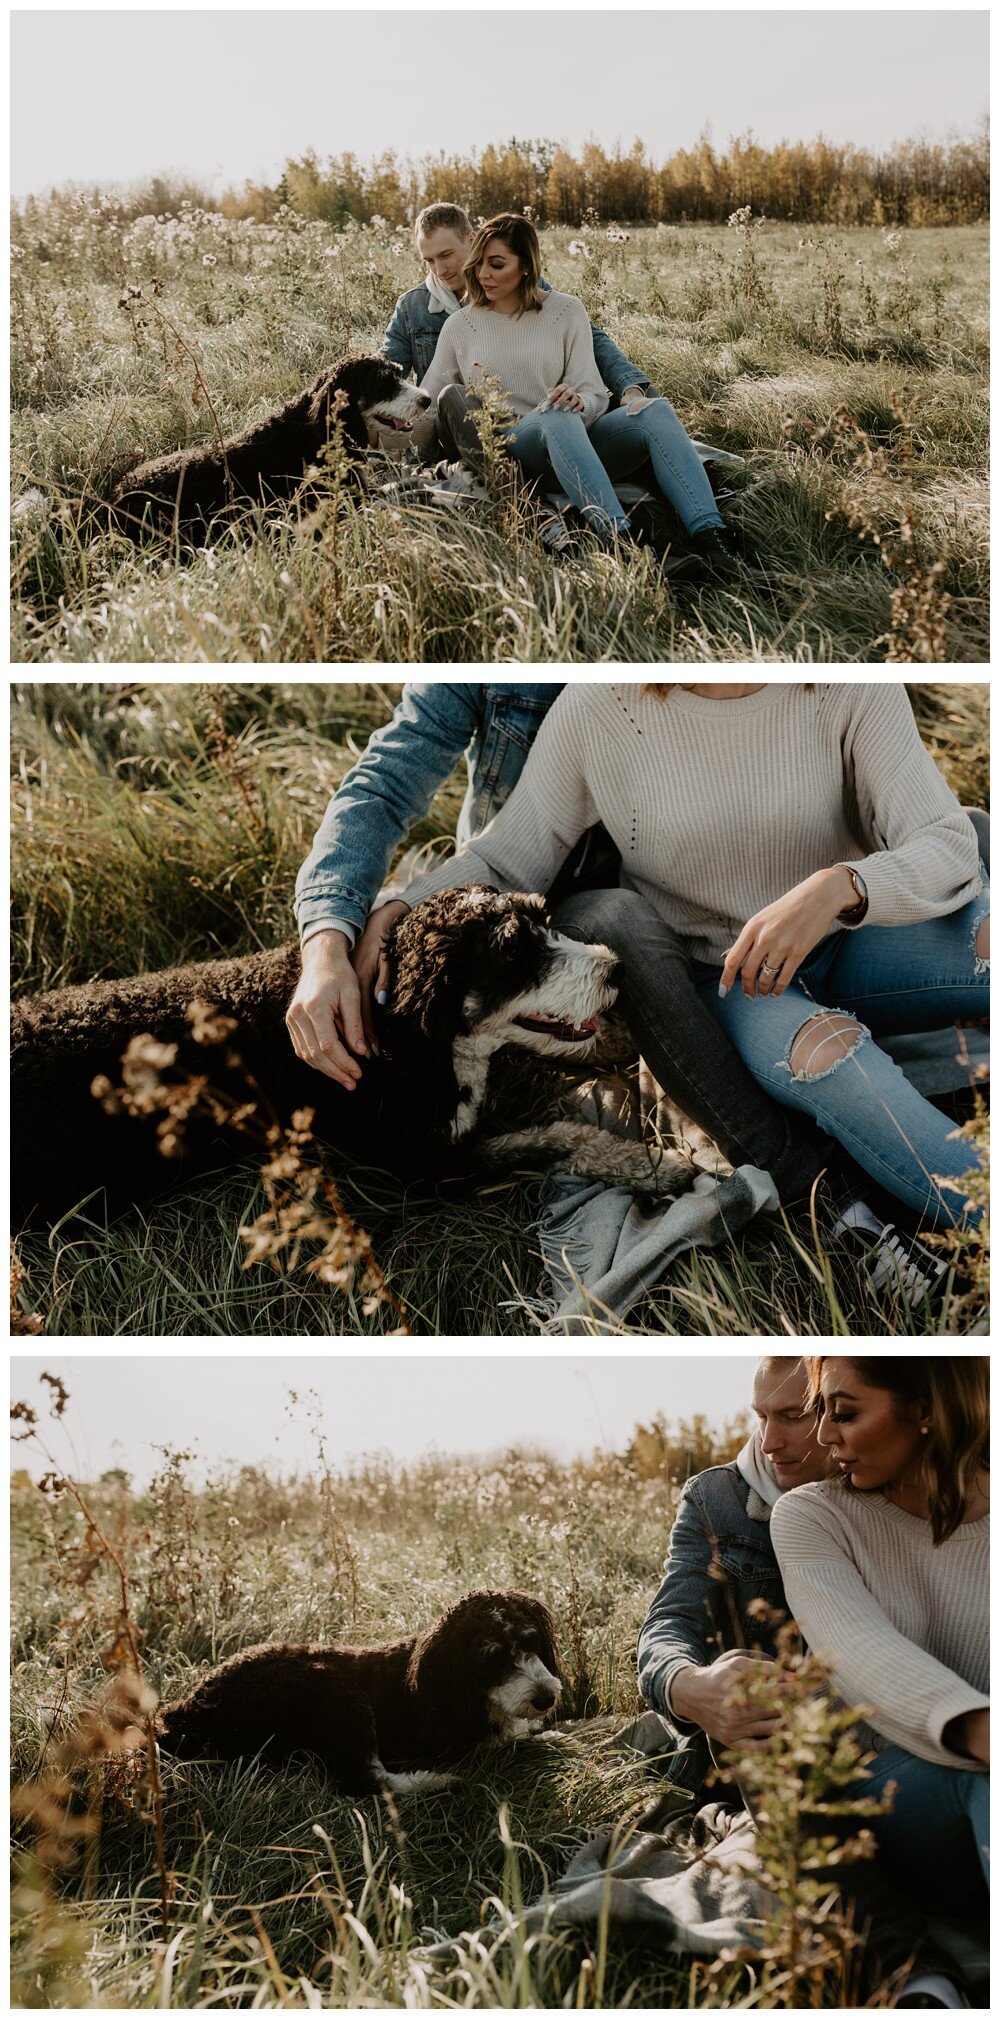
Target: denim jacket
{"x":411,"y":340}
{"x":392,"y":786}
{"x":720,"y":1560}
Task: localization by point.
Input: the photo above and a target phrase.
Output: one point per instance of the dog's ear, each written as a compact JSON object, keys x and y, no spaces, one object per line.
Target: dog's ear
{"x":450,"y":1699}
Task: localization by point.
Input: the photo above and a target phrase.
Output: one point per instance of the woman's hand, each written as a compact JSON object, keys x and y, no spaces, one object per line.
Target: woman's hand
{"x":371,"y":966}
{"x":969,"y":1735}
{"x":564,"y":396}
{"x":324,"y":1015}
{"x":775,"y":942}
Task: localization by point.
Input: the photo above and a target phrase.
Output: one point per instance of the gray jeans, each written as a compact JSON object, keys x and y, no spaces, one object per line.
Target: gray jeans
{"x":683,"y":1045}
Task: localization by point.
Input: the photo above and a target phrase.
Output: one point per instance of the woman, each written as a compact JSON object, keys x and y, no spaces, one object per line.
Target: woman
{"x":886,"y":1572}
{"x":538,"y":345}
{"x":765,"y":825}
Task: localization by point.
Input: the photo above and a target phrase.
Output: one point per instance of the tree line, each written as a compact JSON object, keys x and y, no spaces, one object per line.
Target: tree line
{"x":916,"y":182}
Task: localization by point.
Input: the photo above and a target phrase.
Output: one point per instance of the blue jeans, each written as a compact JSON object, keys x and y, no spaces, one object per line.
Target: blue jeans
{"x":935,"y":1840}
{"x":557,"y":443}
{"x":891,"y":979}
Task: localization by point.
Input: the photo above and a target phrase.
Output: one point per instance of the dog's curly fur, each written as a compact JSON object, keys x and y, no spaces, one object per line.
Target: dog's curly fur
{"x":462,"y":962}
{"x":379,"y":1717}
{"x":265,"y":462}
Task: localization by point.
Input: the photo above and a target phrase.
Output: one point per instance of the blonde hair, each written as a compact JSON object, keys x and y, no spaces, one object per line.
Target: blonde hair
{"x":442,"y":217}
{"x":956,"y":1396}
{"x":518,"y":234}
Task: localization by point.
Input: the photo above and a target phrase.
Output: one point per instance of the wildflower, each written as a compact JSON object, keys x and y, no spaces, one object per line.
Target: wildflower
{"x":209,"y":259}
{"x":578,"y":249}
{"x":616,"y":237}
{"x":893,"y":239}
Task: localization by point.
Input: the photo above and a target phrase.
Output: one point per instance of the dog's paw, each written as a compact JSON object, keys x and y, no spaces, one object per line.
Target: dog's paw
{"x":423,"y":1781}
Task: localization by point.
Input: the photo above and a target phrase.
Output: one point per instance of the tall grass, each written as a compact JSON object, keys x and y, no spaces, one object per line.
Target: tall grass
{"x":281,"y":1891}
{"x":241,"y":1887}
{"x":154,"y":823}
{"x":758,"y":337}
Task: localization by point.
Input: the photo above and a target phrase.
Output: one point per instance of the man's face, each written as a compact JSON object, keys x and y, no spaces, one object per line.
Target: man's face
{"x":788,"y":1427}
{"x":445,"y":253}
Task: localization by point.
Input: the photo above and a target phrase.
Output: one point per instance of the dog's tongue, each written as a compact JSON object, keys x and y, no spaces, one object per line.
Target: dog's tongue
{"x":593,"y":1024}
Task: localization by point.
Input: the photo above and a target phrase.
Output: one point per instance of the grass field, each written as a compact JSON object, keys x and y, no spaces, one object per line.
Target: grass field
{"x":283,"y":1893}
{"x":162,"y":823}
{"x":847,"y":366}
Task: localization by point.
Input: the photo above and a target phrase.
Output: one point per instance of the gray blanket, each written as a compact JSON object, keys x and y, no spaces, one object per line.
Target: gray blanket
{"x":604,"y":1245}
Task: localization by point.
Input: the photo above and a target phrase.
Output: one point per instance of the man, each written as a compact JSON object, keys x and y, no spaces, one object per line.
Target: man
{"x":699,"y":1640}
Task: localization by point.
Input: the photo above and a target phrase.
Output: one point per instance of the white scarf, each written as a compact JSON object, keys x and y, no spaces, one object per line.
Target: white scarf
{"x":757,"y":1471}
{"x":441,"y":297}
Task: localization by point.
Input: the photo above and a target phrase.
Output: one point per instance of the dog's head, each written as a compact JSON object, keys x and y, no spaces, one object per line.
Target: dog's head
{"x":475,"y":969}
{"x":489,"y":1668}
{"x":376,"y":395}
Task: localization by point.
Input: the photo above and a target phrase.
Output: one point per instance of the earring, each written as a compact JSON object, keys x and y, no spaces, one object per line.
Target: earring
{"x":925,"y":1430}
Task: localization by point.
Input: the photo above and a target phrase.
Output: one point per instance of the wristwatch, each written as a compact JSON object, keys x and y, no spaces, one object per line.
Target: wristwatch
{"x":854,"y":912}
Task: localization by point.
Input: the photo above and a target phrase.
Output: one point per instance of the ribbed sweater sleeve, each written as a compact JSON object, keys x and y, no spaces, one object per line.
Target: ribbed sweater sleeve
{"x":906,"y":1694}
{"x":524,"y":847}
{"x":444,"y":369}
{"x":929,"y":863}
{"x":580,"y":370}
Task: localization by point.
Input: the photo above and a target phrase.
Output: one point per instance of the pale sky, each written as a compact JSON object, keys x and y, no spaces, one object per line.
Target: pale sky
{"x":226,"y":95}
{"x":234,"y":1407}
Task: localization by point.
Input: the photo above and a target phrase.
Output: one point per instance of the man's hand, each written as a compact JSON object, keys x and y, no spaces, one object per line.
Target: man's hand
{"x":371,"y":966}
{"x":704,"y":1696}
{"x":779,"y":938}
{"x":324,"y":1015}
{"x":634,"y":398}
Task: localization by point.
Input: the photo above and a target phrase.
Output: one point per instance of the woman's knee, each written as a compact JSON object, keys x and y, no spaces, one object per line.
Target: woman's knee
{"x":822,"y":1044}
{"x":983,"y":940}
{"x":559,"y":422}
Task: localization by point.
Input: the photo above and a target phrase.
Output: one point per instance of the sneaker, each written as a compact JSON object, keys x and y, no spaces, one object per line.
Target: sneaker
{"x":930,"y":1989}
{"x":715,"y":548}
{"x":897,"y":1261}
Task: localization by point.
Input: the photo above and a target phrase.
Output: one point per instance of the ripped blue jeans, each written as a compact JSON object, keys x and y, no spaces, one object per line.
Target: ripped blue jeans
{"x":854,"y":988}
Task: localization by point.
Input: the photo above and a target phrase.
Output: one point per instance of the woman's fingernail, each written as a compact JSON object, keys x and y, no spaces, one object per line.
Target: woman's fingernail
{"x":723,"y":989}
{"x":382,"y":996}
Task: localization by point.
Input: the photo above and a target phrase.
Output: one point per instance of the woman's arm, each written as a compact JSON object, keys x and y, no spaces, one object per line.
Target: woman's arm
{"x":444,"y":369}
{"x":548,"y":810}
{"x":928,"y":864}
{"x":903,"y":1692}
{"x":580,"y":369}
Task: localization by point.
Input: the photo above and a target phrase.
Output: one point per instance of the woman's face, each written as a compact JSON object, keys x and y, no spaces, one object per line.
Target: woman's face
{"x":871,"y":1439}
{"x":445,"y":253}
{"x":499,"y":272}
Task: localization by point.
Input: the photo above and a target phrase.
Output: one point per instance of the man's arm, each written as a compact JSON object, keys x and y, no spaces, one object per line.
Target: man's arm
{"x":383,"y":796}
{"x":618,"y":373}
{"x":397,"y":342}
{"x":685,"y":1672}
{"x":330,"y":1016}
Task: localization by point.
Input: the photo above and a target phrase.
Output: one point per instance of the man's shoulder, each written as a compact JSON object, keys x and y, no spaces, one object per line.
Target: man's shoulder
{"x":716,"y":1487}
{"x":415,"y":298}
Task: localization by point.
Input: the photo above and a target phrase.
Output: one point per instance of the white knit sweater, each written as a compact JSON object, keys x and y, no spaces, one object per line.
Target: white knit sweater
{"x":721,"y":806}
{"x":904,"y":1622}
{"x":529,"y":354}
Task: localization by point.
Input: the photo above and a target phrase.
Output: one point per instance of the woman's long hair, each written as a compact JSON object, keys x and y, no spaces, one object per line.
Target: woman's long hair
{"x":956,"y":1395}
{"x":518,"y":234}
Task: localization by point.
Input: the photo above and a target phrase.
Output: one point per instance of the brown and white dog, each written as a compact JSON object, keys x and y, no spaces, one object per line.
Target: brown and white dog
{"x":364,"y":397}
{"x":474,"y":971}
{"x":382,"y":1717}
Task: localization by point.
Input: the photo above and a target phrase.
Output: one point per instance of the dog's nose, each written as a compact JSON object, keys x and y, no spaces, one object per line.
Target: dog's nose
{"x":543,"y":1700}
{"x":424,"y":398}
